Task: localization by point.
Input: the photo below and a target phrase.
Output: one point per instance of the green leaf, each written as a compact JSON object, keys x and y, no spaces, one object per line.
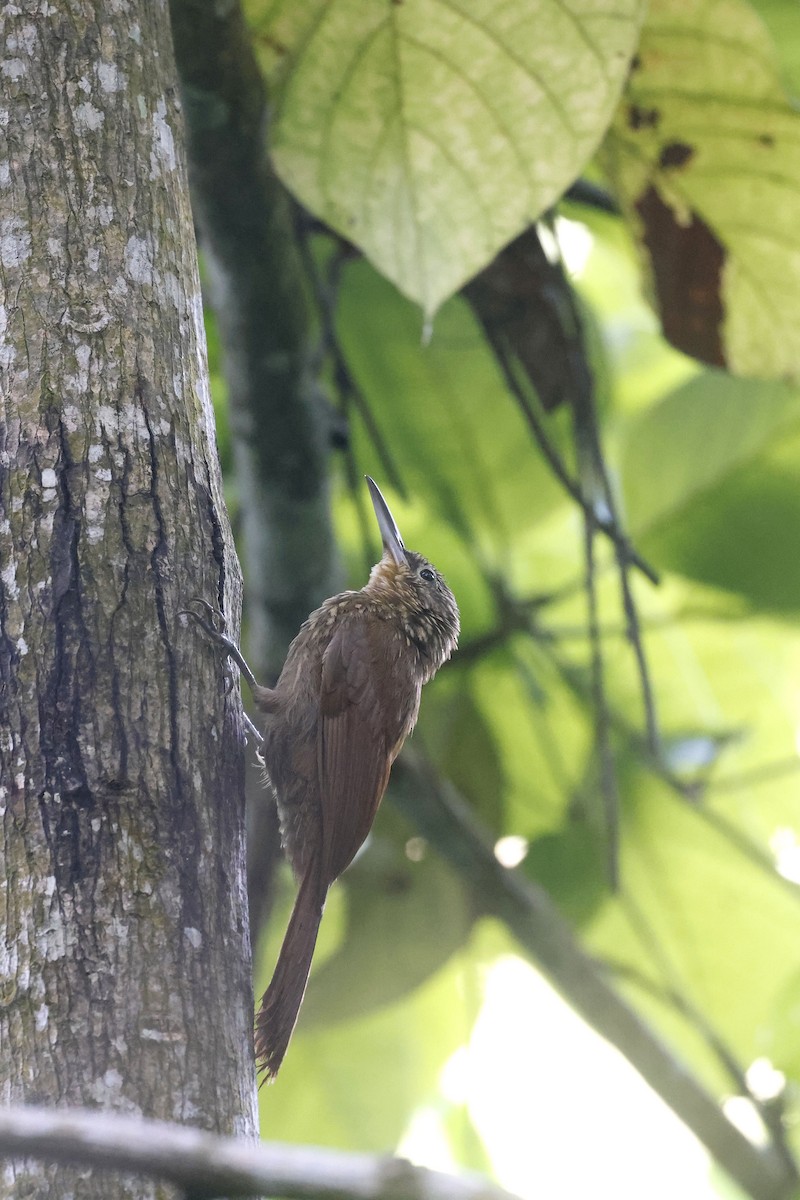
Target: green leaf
{"x":742,"y":537}
{"x":430,"y":132}
{"x":571,"y":866}
{"x":540,"y":733}
{"x":781,"y":18}
{"x":705,"y":155}
{"x":782,"y":1038}
{"x":695,"y":438}
{"x":461,"y":743}
{"x":390,"y":943}
{"x":712,"y":479}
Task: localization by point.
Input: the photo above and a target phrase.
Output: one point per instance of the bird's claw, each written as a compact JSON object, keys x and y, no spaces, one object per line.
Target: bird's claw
{"x":213,"y":623}
{"x":214,"y":626}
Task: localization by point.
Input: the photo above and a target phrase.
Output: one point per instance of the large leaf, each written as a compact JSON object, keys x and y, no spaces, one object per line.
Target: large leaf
{"x":696,"y":438}
{"x":744,"y":536}
{"x":705,"y":154}
{"x":430,"y":132}
{"x":781,"y":18}
{"x":712,"y":483}
{"x":462,"y":744}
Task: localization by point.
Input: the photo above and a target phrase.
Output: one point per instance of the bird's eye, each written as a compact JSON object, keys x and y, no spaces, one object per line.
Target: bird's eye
{"x":427,"y":573}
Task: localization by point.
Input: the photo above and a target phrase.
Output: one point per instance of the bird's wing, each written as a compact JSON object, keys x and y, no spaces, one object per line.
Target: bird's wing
{"x":356,"y":741}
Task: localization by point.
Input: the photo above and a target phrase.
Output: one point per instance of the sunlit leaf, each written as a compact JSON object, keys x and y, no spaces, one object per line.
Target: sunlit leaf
{"x":572,"y":867}
{"x":542,"y":733}
{"x":743,"y":536}
{"x":781,"y":19}
{"x":430,"y":132}
{"x":461,"y":743}
{"x":782,"y":1038}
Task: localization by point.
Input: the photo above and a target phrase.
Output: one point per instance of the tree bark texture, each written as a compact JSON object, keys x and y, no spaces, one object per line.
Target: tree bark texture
{"x":124,"y":949}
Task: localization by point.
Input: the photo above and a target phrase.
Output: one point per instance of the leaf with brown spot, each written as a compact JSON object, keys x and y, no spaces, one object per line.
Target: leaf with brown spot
{"x":711,"y":188}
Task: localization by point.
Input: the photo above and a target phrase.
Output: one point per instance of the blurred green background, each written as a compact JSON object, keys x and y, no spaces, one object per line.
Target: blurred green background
{"x":659,"y":808}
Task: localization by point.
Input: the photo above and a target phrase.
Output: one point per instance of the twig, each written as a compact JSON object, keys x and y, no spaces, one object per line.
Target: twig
{"x":634,"y":635}
{"x":769,"y":1111}
{"x":518,"y":618}
{"x":671,"y":997}
{"x":205,"y":1165}
{"x":755,"y":776}
{"x":608,"y":776}
{"x":558,"y":467}
{"x":590,"y":453}
{"x":690,"y":792}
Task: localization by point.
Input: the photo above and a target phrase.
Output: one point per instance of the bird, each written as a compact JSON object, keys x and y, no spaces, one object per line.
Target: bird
{"x":346,"y":699}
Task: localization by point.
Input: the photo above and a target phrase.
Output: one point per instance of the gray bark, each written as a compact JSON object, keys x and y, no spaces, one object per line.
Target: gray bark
{"x":124,"y":955}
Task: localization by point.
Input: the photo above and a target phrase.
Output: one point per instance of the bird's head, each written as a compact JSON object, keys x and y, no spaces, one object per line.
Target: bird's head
{"x":417,"y":591}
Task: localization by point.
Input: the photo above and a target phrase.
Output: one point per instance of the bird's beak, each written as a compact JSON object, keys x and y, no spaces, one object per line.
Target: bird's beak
{"x":392,"y":542}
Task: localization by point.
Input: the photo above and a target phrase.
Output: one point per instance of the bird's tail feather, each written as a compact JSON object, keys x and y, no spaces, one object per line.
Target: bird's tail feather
{"x":280,"y":1004}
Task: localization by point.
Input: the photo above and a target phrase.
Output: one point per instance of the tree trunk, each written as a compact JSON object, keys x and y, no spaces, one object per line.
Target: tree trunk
{"x":124,"y":951}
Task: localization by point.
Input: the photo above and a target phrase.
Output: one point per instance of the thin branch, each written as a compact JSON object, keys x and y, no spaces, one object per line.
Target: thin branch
{"x":673,"y":998}
{"x":770,"y":1111}
{"x":205,"y":1165}
{"x":691,"y":792}
{"x":441,"y":816}
{"x":591,"y":457}
{"x":608,"y":776}
{"x":518,"y":618}
{"x":634,"y":635}
{"x":325,"y":286}
{"x":756,"y":776}
{"x":558,"y":467}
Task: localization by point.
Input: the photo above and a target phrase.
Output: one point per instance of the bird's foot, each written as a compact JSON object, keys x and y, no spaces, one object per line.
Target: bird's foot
{"x":213,"y":625}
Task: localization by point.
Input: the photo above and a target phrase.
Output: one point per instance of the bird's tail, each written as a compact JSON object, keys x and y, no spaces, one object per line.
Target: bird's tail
{"x":280,"y":1004}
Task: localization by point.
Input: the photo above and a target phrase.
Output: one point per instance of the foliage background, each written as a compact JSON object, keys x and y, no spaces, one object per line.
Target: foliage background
{"x":648,"y":782}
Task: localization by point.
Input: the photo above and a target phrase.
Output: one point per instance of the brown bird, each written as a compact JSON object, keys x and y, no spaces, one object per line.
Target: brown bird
{"x":347,"y":698}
